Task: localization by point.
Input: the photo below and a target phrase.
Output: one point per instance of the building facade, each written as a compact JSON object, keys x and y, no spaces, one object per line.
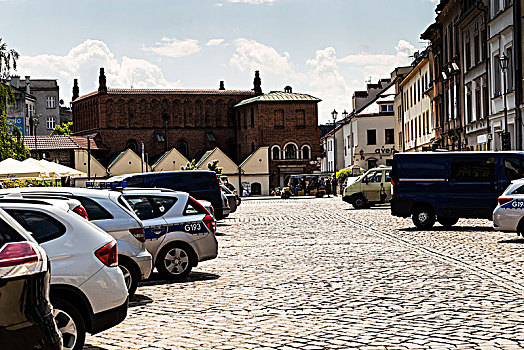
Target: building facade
{"x":287,"y":123}
{"x":195,"y":121}
{"x":47,"y":105}
{"x":23,"y":110}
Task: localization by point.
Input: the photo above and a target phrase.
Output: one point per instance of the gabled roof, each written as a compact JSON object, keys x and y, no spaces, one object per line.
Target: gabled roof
{"x":279,"y":96}
{"x":158,"y":158}
{"x":115,"y":158}
{"x":61,"y":142}
{"x":169,"y":92}
{"x":205,"y":157}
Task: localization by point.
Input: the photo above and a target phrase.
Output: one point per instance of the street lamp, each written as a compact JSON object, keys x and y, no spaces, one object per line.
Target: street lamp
{"x":506,"y":140}
{"x":345,"y":114}
{"x":334,"y":114}
{"x":36,"y":121}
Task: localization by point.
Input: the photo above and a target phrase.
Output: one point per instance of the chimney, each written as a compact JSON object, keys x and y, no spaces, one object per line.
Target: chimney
{"x":221,"y":85}
{"x":102,"y":87}
{"x":76,"y":90}
{"x":257,"y":84}
{"x":288,"y":89}
{"x":15,"y":81}
{"x":28,"y":85}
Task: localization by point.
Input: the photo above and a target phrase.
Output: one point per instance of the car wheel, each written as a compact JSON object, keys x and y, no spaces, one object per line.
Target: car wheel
{"x":359,"y":202}
{"x":423,"y":218}
{"x":69,"y":323}
{"x":520,"y":227}
{"x":130,"y":275}
{"x":446,"y":221}
{"x":174,"y":261}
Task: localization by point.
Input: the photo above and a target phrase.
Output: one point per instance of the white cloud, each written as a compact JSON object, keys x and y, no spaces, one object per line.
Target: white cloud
{"x":84,"y":61}
{"x":215,"y":42}
{"x":171,"y":47}
{"x":252,"y":2}
{"x":327,"y":77}
{"x":251,"y":55}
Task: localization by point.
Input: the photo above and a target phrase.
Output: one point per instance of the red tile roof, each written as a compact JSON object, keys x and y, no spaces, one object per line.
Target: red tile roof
{"x":60,"y":142}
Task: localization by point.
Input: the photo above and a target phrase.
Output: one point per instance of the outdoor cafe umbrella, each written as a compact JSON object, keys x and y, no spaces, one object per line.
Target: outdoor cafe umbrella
{"x":14,"y":169}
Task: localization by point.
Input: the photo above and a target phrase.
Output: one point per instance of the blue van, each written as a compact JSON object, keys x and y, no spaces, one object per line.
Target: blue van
{"x":446,"y":186}
{"x":200,"y":184}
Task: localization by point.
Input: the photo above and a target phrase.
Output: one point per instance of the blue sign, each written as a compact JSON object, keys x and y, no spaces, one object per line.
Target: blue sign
{"x":16,"y":121}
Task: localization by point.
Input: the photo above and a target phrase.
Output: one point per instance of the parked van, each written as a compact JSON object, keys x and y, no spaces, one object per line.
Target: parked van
{"x":200,"y":184}
{"x":373,"y":187}
{"x":446,"y":186}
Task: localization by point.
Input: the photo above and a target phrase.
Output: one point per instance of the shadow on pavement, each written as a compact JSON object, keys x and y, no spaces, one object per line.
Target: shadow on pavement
{"x":93,"y":347}
{"x":139,"y":300}
{"x":453,"y":228}
{"x":156,"y":279}
{"x":513,"y":240}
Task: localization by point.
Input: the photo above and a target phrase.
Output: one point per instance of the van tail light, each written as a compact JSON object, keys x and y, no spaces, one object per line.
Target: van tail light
{"x":139,"y":234}
{"x":210,"y":223}
{"x":503,"y":200}
{"x":20,"y":253}
{"x":108,"y":254}
{"x":392,"y":189}
{"x":80,"y":210}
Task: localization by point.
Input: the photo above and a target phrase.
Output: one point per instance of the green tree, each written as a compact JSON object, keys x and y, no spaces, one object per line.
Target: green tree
{"x":189,"y":166}
{"x":11,"y":143}
{"x":63,"y":129}
{"x":213,"y":166}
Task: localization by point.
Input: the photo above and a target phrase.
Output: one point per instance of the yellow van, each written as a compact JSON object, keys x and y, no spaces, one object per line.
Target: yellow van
{"x":373,"y":187}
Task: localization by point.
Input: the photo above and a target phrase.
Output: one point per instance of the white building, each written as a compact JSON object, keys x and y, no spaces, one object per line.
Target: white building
{"x":417,"y":115}
{"x":500,"y":41}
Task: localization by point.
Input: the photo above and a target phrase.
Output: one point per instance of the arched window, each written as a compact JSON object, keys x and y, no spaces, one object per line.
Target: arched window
{"x":275,"y":153}
{"x":291,"y":151}
{"x":183,"y":148}
{"x":132,"y":145}
{"x":306,"y":152}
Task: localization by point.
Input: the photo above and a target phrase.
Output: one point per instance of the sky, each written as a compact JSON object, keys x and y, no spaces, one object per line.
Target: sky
{"x":325,"y":48}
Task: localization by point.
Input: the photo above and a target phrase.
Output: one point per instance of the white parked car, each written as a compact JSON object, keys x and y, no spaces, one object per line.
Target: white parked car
{"x":179,"y":231}
{"x":88,"y":290}
{"x":509,"y":213}
{"x":109,"y":211}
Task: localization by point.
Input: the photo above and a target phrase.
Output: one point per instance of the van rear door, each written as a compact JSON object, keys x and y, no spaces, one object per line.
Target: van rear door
{"x":473,"y":190}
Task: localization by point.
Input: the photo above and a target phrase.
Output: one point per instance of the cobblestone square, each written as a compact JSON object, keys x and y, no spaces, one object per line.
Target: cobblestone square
{"x":317,"y":274}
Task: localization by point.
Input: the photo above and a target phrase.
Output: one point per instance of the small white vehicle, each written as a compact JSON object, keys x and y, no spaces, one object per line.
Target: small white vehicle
{"x":179,"y":231}
{"x":109,"y":211}
{"x":88,"y":291}
{"x":373,"y":187}
{"x":509,"y":214}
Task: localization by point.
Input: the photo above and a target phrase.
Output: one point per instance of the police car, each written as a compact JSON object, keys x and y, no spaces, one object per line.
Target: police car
{"x":509,"y":213}
{"x":179,"y":231}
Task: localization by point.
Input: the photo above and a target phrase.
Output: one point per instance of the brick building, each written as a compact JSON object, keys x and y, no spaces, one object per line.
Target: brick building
{"x":195,"y":121}
{"x":287,"y":122}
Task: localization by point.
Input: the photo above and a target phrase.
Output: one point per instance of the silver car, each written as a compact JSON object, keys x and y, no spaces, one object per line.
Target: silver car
{"x":179,"y":231}
{"x":110,"y":212}
{"x":509,"y":213}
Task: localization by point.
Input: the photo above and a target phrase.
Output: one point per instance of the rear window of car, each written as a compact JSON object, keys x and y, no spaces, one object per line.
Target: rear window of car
{"x":142,"y":207}
{"x":163,"y":204}
{"x":8,"y":234}
{"x":519,"y":190}
{"x":42,"y":226}
{"x":193,"y":207}
{"x":94,"y":210}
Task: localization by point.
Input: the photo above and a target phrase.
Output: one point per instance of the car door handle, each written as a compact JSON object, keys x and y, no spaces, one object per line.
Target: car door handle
{"x":157,"y":230}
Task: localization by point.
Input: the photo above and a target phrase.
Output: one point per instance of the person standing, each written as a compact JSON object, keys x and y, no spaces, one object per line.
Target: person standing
{"x":334,"y":183}
{"x":327,"y":184}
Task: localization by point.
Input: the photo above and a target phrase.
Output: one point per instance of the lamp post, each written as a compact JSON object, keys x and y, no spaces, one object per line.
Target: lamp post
{"x":334,"y":114}
{"x":36,"y":121}
{"x":506,"y":140}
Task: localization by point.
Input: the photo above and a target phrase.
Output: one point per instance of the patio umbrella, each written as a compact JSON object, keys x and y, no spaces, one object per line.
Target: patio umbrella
{"x":14,"y":169}
{"x":61,"y":170}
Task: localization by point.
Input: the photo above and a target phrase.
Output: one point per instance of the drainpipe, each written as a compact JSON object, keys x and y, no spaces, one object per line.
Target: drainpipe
{"x":403,"y":148}
{"x":518,"y":72}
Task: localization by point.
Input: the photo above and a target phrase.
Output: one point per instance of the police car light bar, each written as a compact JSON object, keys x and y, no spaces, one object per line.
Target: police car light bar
{"x":107,"y":185}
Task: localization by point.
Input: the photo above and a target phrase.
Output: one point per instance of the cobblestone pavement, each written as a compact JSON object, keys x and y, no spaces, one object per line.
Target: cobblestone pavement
{"x":317,"y":274}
